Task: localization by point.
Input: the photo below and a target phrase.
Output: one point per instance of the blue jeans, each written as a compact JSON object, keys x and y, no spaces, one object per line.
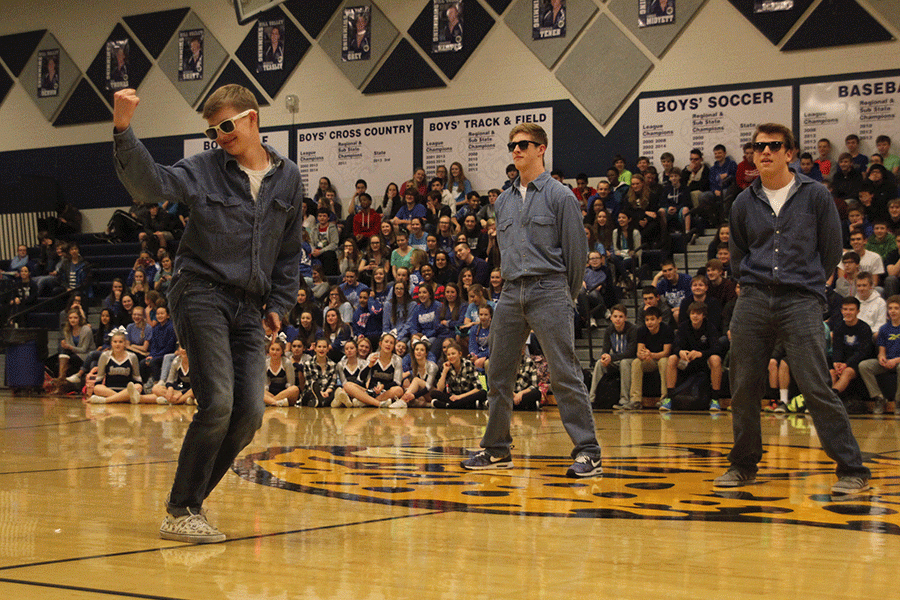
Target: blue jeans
{"x":762,"y":316}
{"x":220,"y":327}
{"x":542,"y":304}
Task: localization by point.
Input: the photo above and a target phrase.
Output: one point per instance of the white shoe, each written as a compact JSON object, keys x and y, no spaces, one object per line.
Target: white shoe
{"x":95,"y":399}
{"x":593,"y":323}
{"x":76,"y":378}
{"x":133,"y":394}
{"x":357,"y":403}
{"x":161,"y":400}
{"x":342,"y":399}
{"x":282,"y":402}
{"x":384,"y":404}
{"x":397,"y":404}
{"x":191,"y":528}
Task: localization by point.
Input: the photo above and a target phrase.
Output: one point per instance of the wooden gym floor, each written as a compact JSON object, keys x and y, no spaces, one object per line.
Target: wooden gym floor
{"x":370,"y":503}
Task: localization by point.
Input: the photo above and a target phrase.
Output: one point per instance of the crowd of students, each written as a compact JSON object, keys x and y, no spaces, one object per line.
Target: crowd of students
{"x":420,"y":267}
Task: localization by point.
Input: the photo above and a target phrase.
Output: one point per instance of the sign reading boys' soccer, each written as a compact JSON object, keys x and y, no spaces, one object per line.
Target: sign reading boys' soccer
{"x":117,"y":64}
{"x":447,"y":31}
{"x":356,"y":34}
{"x":190,"y":55}
{"x":270,"y":45}
{"x":548,"y":19}
{"x":48,"y":73}
{"x":656,"y":12}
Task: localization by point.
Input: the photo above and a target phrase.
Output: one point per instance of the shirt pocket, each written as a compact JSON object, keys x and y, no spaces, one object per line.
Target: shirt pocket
{"x":542,"y":230}
{"x":221,"y":214}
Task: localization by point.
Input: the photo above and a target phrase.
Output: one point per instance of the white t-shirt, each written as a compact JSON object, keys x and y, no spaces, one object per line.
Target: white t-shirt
{"x":522,"y":190}
{"x":256,"y":177}
{"x":778,"y":197}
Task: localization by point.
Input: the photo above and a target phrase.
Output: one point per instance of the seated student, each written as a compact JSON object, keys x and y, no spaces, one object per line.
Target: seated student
{"x":881,"y":242}
{"x":453,"y":313}
{"x":875,"y":209}
{"x":396,"y":312}
{"x":24,"y":294}
{"x":860,"y":160}
{"x":335,"y":332}
{"x":872,"y":307}
{"x":851,"y":344}
{"x":892,"y":271}
{"x":418,"y":237}
{"x":324,"y":239}
{"x":654,"y":345}
{"x":479,"y":339}
{"x":617,"y":353}
{"x":595,"y":290}
{"x":823,"y":146}
{"x":102,"y":336}
{"x":809,"y":168}
{"x":350,"y":368}
{"x":348,"y":257}
{"x":307,"y":333}
{"x":723,"y":253}
{"x":412,"y":207}
{"x":526,"y":392}
{"x":162,"y":342}
{"x":337,"y":301}
{"x":720,"y":288}
{"x":888,"y":342}
{"x":352,"y":287}
{"x":417,"y":259}
{"x":281,"y":389}
{"x":893,"y":221}
{"x":421,"y":376}
{"x":846,"y":180}
{"x":471,"y":207}
{"x":511,"y":173}
{"x":746,"y":170}
{"x":489,"y":211}
{"x":118,"y":375}
{"x":320,"y":376}
{"x":674,"y":210}
{"x":458,"y":385}
{"x":869,"y":262}
{"x":176,"y":389}
{"x":425,"y":318}
{"x":366,"y":222}
{"x":845,"y":282}
{"x":891,"y":161}
{"x":696,"y":349}
{"x":699,"y":289}
{"x":884,"y":187}
{"x":477,"y":299}
{"x":76,"y":344}
{"x":856,"y":220}
{"x":672,"y":286}
{"x":381,"y":381}
{"x":651,"y":297}
{"x":481,"y":271}
{"x":367,"y":319}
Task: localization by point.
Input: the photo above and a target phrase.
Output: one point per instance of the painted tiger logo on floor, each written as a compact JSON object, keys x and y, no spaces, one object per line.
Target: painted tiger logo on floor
{"x":655,"y":481}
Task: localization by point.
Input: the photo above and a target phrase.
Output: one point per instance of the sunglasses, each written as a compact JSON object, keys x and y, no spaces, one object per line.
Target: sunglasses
{"x":761,"y":146}
{"x":226,"y":126}
{"x":523,"y":145}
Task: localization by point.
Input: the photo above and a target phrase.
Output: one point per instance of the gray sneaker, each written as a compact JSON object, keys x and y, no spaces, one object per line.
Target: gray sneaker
{"x":880,"y":403}
{"x":849,"y":485}
{"x":585,"y":466}
{"x":734,"y":477}
{"x":482,"y":461}
{"x":634,"y":405}
{"x":192,"y":528}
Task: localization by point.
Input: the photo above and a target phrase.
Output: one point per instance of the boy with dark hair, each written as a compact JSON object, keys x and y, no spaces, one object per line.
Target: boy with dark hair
{"x":672,"y":285}
{"x":654,"y":345}
{"x":881,"y":242}
{"x":888,"y":342}
{"x":851,"y":344}
{"x":618,"y":351}
{"x":845,"y":285}
{"x":890,"y":161}
{"x":696,"y":349}
{"x":651,"y":298}
{"x":699,"y":289}
{"x":720,"y":288}
{"x":860,"y":160}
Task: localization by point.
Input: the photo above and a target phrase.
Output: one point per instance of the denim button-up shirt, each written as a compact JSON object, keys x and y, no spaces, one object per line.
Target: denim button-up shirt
{"x":797,"y":248}
{"x":230,"y":238}
{"x":542,"y":235}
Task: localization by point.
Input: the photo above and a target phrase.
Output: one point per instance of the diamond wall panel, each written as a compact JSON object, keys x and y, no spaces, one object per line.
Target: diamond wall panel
{"x":312,"y":16}
{"x":773,"y":25}
{"x":232,"y":73}
{"x":476,"y":25}
{"x":417,"y":74}
{"x":619,"y":77}
{"x":16,"y":49}
{"x":837,"y":23}
{"x":295,"y":47}
{"x":83,"y":106}
{"x":383,"y":35}
{"x":214,"y":56}
{"x":102,"y":71}
{"x":5,"y":84}
{"x":548,"y":51}
{"x":154,"y":30}
{"x":658,"y":37}
{"x":889,"y":10}
{"x":499,"y":5}
{"x":69,"y":74}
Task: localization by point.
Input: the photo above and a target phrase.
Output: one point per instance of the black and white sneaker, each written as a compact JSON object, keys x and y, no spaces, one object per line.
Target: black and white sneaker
{"x":585,"y":466}
{"x":483,"y":461}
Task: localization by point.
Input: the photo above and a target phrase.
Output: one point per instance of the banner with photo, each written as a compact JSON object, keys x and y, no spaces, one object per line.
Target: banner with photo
{"x":478,"y":142}
{"x":356,"y":33}
{"x":656,"y":12}
{"x":379,"y":152}
{"x":767,"y":6}
{"x":834,"y":110}
{"x":270,"y":45}
{"x":548,"y":19}
{"x":117,"y":52}
{"x":680,"y":123}
{"x":447,"y":31}
{"x":48,"y":73}
{"x":190,"y":55}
